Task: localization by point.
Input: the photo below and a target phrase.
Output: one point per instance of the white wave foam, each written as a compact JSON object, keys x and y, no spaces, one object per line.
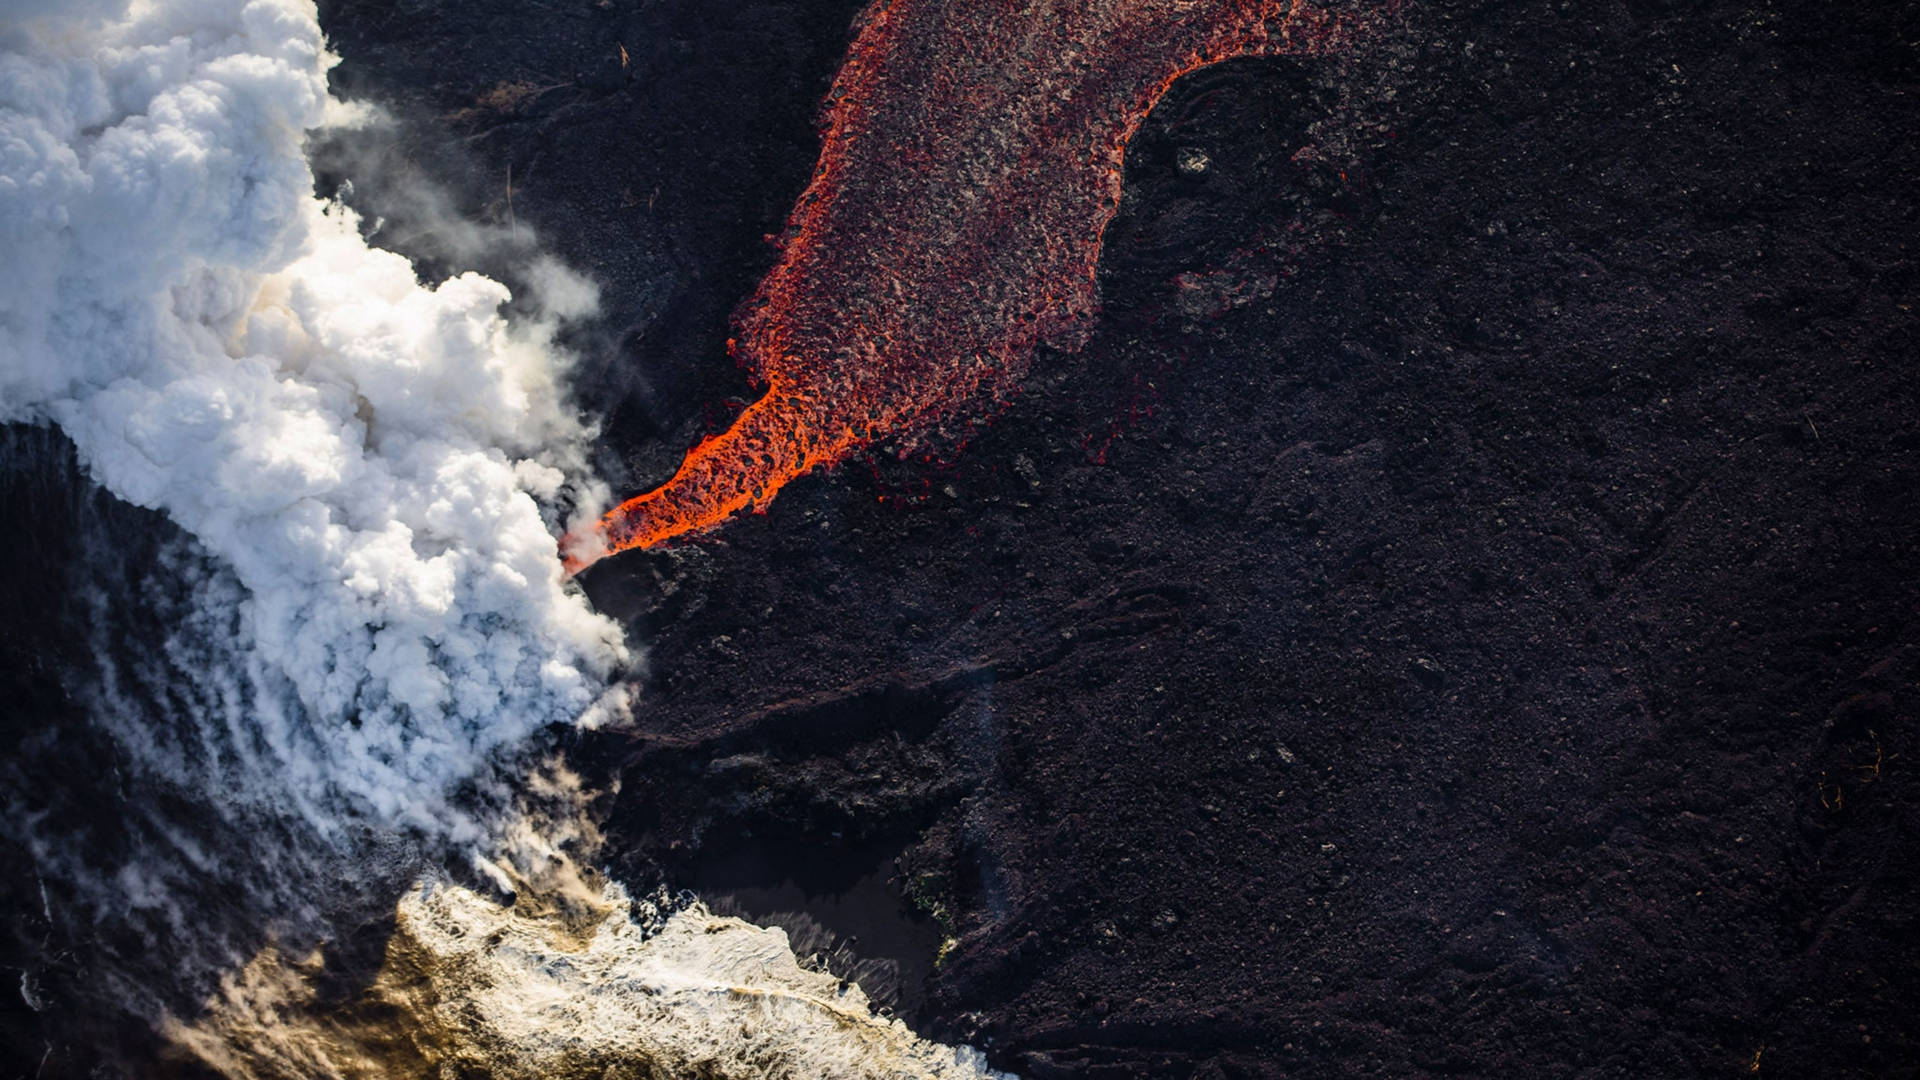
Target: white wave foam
{"x":514,"y":993}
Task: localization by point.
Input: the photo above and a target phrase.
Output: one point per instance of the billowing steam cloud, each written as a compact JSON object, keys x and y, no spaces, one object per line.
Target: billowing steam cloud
{"x":353,"y":656}
{"x":369,"y":456}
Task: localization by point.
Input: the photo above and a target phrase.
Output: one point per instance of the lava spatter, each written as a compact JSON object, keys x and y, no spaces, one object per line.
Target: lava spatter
{"x":970,"y":164}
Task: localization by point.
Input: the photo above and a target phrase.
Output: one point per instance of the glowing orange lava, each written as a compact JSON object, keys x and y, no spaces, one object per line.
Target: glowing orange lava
{"x":970,"y":165}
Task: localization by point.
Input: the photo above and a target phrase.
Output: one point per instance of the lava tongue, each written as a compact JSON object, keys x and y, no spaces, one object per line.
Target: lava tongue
{"x":971,"y":163}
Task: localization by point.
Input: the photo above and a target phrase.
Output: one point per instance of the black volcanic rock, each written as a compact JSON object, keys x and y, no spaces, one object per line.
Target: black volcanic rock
{"x":1455,"y":616}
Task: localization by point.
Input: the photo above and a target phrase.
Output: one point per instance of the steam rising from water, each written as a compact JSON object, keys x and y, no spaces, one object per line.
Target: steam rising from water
{"x":370,"y":457}
{"x":368,"y":633}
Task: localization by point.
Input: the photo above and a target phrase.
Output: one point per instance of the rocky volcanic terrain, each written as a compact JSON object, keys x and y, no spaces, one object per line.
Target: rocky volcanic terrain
{"x":1456,"y":616}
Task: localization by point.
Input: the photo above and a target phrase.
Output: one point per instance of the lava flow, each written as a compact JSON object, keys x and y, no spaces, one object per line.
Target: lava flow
{"x":970,"y":164}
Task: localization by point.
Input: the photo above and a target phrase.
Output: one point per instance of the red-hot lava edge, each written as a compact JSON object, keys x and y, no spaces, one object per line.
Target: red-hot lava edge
{"x":970,"y":165}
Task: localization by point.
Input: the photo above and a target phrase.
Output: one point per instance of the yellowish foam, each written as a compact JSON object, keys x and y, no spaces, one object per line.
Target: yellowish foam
{"x":472,"y":987}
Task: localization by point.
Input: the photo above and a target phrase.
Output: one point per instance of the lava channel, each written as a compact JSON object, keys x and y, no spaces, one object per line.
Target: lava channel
{"x":970,"y":163}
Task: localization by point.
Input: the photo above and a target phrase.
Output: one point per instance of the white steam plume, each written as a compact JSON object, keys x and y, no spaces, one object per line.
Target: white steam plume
{"x":368,"y":455}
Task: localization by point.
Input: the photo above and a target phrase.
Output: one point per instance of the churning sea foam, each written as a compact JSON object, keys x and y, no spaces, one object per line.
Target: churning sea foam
{"x":471,"y":987}
{"x":372,"y":623}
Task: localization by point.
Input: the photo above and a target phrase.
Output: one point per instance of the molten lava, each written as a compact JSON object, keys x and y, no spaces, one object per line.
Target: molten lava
{"x":970,"y":164}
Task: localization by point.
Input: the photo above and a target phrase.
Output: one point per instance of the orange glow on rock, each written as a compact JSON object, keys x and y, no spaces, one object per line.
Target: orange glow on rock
{"x":970,"y":165}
